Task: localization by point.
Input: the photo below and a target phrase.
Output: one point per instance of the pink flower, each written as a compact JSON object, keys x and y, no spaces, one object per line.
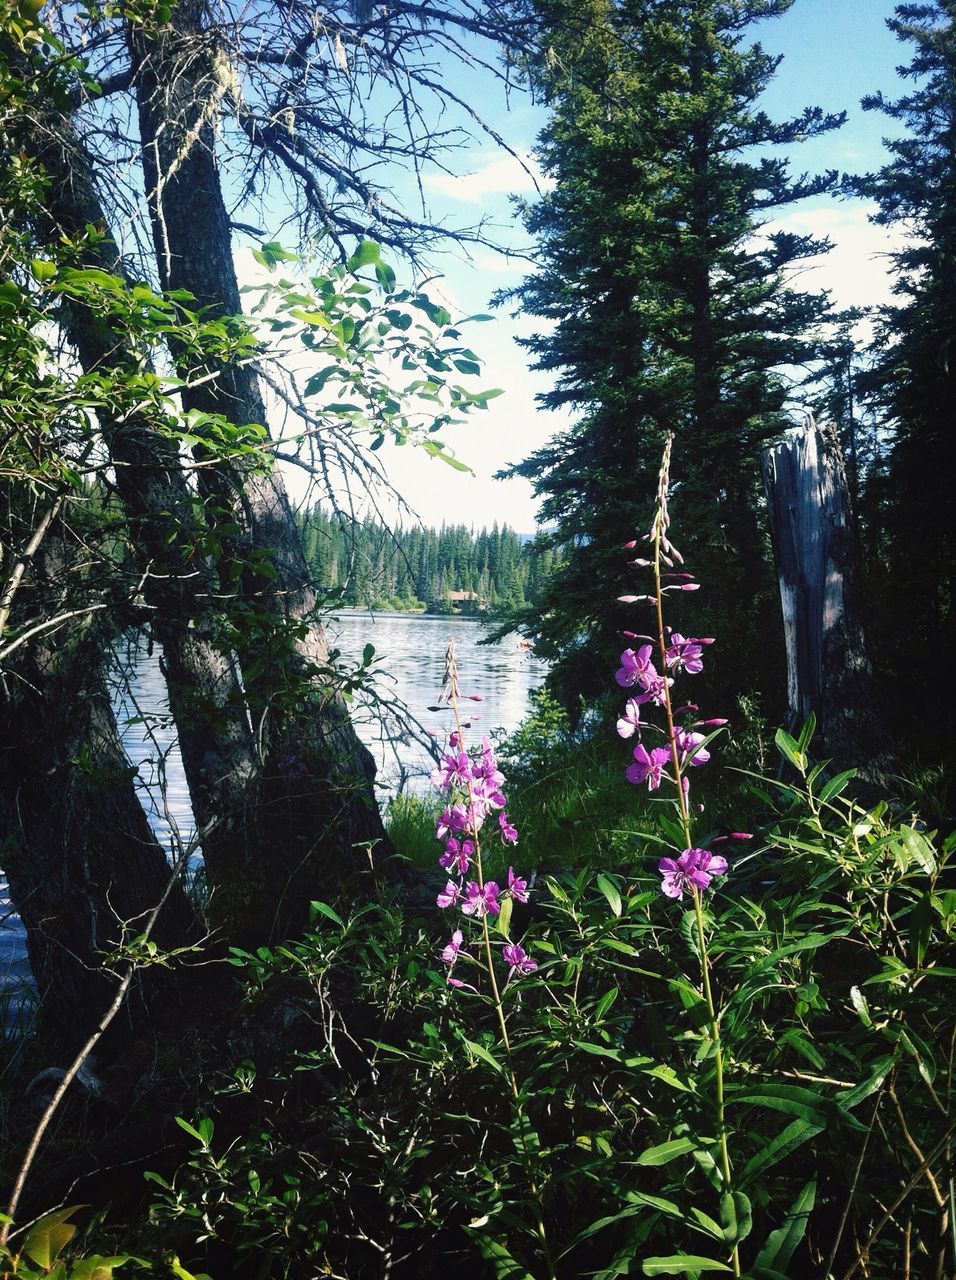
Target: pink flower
{"x":517,"y":887}
{"x":688,"y":744}
{"x":449,"y":895}
{"x":450,"y":953}
{"x":686,"y":654}
{"x":693,"y":870}
{"x":648,"y":766}
{"x":457,"y":855}
{"x":517,"y":960}
{"x":481,"y":900}
{"x":509,"y":832}
{"x":631,"y":718}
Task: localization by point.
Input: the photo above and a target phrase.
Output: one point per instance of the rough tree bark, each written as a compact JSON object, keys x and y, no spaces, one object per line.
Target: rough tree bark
{"x":318,"y":779}
{"x":77,"y":849}
{"x":179,"y":586}
{"x":828,"y":669}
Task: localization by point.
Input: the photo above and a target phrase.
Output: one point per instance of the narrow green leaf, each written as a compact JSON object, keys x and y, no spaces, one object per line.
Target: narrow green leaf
{"x":610,"y":891}
{"x":787,"y":1141}
{"x":666,"y":1151}
{"x":680,"y":1264}
{"x":323,"y":909}
{"x":504,"y":917}
{"x":780,"y":1244}
{"x":481,"y":1052}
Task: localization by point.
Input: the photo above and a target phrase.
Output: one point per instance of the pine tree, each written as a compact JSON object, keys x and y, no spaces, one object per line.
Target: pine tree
{"x":912,"y":384}
{"x":666,"y":314}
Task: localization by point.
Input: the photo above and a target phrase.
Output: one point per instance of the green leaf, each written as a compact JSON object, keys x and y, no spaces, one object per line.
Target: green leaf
{"x":504,"y":1266}
{"x":610,"y":891}
{"x":680,"y":1264}
{"x":789,"y":748}
{"x":781,"y":1243}
{"x":42,"y":270}
{"x":504,"y":917}
{"x":323,"y":909}
{"x":49,"y":1236}
{"x":787,"y":1141}
{"x":806,"y":733}
{"x":830,"y":790}
{"x":666,"y":1151}
{"x":367,"y":253}
{"x":735,"y":1216}
{"x":481,"y":1052}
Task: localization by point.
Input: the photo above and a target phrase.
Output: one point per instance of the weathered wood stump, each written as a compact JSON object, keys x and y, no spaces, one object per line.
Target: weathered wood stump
{"x":828,"y":669}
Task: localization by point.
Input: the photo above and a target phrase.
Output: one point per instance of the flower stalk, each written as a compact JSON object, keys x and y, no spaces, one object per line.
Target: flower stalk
{"x":479,"y":783}
{"x":694,"y":868}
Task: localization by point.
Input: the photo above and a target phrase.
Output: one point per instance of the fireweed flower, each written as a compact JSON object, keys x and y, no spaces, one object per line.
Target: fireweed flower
{"x":648,"y":766}
{"x":636,"y":667}
{"x":449,"y":895}
{"x":517,"y":887}
{"x":694,"y":869}
{"x":450,"y":953}
{"x":517,"y":960}
{"x":481,"y":899}
{"x":457,"y":856}
{"x":631,"y":719}
{"x":509,"y":832}
{"x":688,"y":745}
{"x":686,"y":655}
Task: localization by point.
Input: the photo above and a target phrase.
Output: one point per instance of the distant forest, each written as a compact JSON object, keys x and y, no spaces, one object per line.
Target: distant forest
{"x":366,"y":564}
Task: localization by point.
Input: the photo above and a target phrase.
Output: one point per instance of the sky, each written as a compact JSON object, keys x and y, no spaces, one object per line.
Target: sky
{"x":834,"y":52}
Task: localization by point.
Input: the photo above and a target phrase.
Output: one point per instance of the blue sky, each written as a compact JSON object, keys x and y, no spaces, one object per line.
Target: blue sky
{"x":835,"y":51}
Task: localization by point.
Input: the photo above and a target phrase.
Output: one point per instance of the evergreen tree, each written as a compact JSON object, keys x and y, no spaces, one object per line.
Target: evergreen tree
{"x":912,"y":384}
{"x":667,"y":312}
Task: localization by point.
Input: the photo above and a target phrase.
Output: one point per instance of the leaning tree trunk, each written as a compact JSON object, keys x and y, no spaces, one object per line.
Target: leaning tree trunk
{"x":828,"y":669}
{"x":84,"y":869}
{"x":166,"y":532}
{"x":318,"y":779}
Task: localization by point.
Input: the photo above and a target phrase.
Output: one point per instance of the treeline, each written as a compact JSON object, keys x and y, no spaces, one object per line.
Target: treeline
{"x":367,"y":564}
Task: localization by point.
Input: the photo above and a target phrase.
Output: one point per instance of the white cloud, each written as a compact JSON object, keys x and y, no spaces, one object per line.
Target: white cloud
{"x":494,"y":174}
{"x":858,"y":270}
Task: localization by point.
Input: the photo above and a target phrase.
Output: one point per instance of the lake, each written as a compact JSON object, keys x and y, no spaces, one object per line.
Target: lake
{"x":408,"y":666}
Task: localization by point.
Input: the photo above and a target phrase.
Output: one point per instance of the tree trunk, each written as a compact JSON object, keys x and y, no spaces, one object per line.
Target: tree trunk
{"x":165,"y":530}
{"x":318,"y":779}
{"x":83,"y":866}
{"x":828,"y":669}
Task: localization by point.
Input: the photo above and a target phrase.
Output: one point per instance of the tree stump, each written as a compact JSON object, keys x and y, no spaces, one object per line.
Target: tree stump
{"x":828,"y":668}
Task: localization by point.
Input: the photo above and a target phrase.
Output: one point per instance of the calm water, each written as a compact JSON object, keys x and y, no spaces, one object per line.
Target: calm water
{"x":409,"y":664}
